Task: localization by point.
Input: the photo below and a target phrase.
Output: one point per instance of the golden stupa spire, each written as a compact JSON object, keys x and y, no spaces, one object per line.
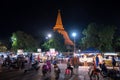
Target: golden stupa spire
{"x":58,"y":24}
{"x":60,"y":29}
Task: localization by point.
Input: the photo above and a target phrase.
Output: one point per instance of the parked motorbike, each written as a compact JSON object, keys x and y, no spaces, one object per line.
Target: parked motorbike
{"x":35,"y":66}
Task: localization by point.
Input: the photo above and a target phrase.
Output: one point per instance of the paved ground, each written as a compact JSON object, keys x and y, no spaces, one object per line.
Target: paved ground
{"x":37,"y":75}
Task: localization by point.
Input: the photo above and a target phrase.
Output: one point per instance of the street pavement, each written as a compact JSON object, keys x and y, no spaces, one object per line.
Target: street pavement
{"x":37,"y":75}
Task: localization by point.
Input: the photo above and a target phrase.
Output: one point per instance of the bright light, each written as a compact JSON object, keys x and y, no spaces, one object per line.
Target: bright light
{"x":49,"y":35}
{"x":73,"y":34}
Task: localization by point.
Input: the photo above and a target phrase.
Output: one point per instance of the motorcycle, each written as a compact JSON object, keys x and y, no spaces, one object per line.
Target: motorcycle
{"x":35,"y":66}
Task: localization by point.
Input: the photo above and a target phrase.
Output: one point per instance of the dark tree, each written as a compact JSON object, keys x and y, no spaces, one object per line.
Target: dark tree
{"x":21,"y":40}
{"x":98,"y":36}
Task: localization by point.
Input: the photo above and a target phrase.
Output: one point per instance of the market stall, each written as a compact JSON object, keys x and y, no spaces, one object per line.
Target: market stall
{"x":86,"y":56}
{"x":108,"y":58}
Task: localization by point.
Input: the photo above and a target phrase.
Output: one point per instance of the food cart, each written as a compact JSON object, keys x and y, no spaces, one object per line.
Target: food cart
{"x":108,"y":58}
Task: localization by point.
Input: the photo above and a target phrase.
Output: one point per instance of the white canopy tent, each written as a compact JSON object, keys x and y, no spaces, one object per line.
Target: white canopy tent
{"x":111,"y":54}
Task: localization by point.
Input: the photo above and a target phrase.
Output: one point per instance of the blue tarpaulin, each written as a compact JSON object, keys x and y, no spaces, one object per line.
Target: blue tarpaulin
{"x":91,"y":50}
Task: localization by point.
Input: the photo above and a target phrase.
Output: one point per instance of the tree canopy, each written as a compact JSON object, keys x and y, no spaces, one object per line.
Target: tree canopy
{"x":98,"y":36}
{"x":55,"y":42}
{"x":2,"y":47}
{"x":21,"y":40}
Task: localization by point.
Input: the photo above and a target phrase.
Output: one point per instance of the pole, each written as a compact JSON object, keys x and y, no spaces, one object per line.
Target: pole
{"x":74,"y":35}
{"x":74,"y":44}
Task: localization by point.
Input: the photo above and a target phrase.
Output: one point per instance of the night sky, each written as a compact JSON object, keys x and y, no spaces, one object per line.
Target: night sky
{"x":36,"y":17}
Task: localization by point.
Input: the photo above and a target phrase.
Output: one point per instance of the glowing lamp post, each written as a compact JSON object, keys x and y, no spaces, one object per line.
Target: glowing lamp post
{"x":74,"y":35}
{"x":49,"y":35}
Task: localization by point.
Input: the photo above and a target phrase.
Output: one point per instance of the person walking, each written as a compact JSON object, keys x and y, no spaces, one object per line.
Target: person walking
{"x":31,"y":58}
{"x":57,"y":71}
{"x":75,"y":63}
{"x":85,"y":60}
{"x":113,"y":62}
{"x":100,"y":60}
{"x":97,"y":60}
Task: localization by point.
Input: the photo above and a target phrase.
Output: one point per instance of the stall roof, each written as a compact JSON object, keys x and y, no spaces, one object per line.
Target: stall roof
{"x":110,"y":53}
{"x":91,"y":50}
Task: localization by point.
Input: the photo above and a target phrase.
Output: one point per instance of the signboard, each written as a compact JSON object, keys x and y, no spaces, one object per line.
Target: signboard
{"x":52,"y":50}
{"x":38,"y":50}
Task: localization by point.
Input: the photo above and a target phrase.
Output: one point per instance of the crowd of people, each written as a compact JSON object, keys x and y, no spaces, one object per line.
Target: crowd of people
{"x":72,"y":65}
{"x":29,"y":63}
{"x":99,"y":66}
